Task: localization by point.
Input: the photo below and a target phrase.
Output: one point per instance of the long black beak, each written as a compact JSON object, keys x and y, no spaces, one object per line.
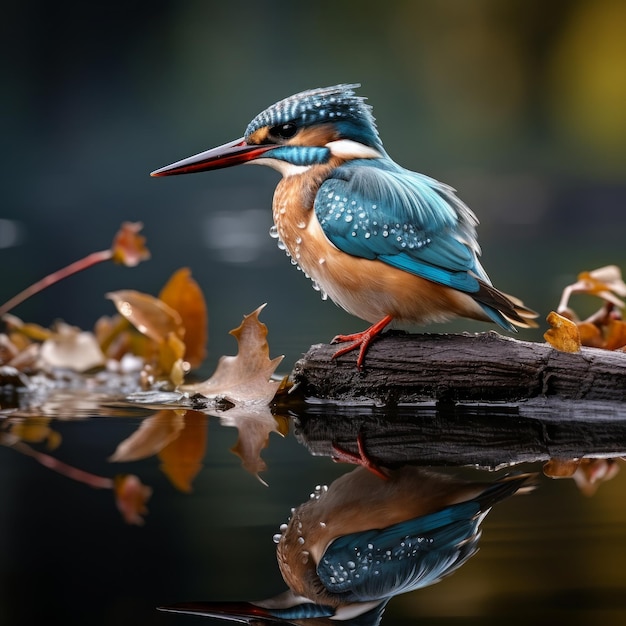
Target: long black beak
{"x":240,"y":612}
{"x":232,"y":153}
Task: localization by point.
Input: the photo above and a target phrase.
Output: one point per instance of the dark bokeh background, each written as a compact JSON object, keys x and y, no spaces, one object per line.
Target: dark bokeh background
{"x":519,"y":104}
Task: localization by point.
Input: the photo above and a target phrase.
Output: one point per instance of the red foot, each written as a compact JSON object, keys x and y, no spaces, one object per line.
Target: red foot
{"x":361,"y":340}
{"x":341,"y":455}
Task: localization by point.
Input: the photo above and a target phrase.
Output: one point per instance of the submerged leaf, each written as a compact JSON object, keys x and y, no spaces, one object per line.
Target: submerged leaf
{"x":245,"y":378}
{"x":563,"y":335}
{"x":183,"y":294}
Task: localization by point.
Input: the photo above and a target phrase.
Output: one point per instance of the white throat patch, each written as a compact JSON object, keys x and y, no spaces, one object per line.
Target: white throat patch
{"x":348,"y":149}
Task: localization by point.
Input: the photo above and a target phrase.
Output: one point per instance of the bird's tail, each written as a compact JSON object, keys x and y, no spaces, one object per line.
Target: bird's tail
{"x":505,"y":310}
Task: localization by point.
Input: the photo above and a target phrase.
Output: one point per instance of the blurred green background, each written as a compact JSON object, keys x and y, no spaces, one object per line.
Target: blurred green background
{"x":520,"y":105}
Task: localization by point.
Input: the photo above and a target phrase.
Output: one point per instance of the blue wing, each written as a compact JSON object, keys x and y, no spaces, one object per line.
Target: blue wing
{"x":378,"y":210}
{"x":375,"y":209}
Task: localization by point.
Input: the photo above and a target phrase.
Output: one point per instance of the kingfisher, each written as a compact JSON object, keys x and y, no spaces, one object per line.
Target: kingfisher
{"x":361,"y":541}
{"x":383,"y":242}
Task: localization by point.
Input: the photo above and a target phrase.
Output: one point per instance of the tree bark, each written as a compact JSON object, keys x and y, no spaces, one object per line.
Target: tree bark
{"x":484,"y":367}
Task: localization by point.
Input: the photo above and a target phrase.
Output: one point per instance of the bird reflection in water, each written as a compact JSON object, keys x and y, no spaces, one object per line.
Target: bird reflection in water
{"x":357,"y":543}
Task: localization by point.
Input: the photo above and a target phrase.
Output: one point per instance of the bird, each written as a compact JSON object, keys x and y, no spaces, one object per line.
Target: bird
{"x":355,"y":544}
{"x":383,"y":242}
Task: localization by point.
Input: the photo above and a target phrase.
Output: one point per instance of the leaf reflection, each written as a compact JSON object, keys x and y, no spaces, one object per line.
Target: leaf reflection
{"x":254,"y":431}
{"x":178,"y":436}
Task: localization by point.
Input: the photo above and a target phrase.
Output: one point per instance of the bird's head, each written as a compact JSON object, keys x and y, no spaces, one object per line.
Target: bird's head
{"x":306,"y":129}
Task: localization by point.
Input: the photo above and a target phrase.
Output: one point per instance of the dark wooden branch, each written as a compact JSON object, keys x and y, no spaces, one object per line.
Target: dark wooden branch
{"x":485,"y":367}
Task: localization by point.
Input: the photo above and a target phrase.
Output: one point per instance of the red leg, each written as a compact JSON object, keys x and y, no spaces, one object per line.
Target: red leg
{"x":361,"y":340}
{"x":341,"y":455}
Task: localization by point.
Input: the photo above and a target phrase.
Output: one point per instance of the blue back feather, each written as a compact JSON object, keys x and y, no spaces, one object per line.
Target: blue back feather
{"x":375,"y":209}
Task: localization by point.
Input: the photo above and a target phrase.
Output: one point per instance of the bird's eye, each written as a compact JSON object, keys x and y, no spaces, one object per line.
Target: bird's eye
{"x":284,"y":131}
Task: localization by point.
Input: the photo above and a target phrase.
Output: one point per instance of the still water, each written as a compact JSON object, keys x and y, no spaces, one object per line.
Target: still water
{"x":219,"y":497}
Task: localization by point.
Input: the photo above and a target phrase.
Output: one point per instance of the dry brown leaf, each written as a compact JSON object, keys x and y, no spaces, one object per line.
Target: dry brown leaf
{"x":153,"y":434}
{"x":590,"y":335}
{"x":181,"y":459}
{"x":245,"y":378}
{"x":604,"y":282}
{"x":8,"y":349}
{"x":71,"y":348}
{"x":19,"y":328}
{"x":171,"y":353}
{"x":149,"y":315}
{"x":615,"y":335}
{"x":563,"y":334}
{"x":129,"y":247}
{"x":183,"y":294}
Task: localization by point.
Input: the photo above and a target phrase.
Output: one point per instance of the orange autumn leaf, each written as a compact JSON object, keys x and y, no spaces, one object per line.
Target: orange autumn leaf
{"x":181,"y":459}
{"x":563,"y":334}
{"x":33,"y":332}
{"x":247,"y":377}
{"x":615,"y":335}
{"x":183,"y":294}
{"x":604,"y":282}
{"x":129,"y":247}
{"x":590,"y":335}
{"x":170,"y":359}
{"x":149,"y":315}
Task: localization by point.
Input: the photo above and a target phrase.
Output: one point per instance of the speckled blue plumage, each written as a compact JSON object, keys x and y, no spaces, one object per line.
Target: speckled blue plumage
{"x":337,"y":105}
{"x":375,"y":209}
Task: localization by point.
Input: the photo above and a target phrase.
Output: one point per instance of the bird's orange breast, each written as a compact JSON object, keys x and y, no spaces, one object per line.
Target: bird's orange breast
{"x":369,"y":289}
